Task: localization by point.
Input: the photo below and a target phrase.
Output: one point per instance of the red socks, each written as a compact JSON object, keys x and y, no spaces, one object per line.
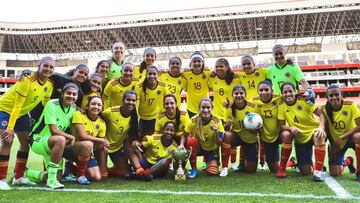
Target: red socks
{"x":225,"y":153}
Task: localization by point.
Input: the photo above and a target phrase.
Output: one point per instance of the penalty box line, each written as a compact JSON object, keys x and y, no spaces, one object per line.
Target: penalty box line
{"x":169,"y":192}
{"x":335,"y":186}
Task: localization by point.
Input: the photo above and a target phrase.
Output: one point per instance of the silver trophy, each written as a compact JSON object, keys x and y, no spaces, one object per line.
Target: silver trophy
{"x":179,"y":156}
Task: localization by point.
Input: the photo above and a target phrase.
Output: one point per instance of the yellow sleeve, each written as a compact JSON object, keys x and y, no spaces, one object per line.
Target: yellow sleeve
{"x":355,"y":111}
{"x":77,"y":118}
{"x":220,"y":127}
{"x":158,"y":125}
{"x":189,"y":126}
{"x":227,"y":115}
{"x":281,"y":112}
{"x":146,"y":142}
{"x":22,"y":91}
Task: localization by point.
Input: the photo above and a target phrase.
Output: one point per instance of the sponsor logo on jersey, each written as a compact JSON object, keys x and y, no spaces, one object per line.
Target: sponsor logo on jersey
{"x":4,"y":123}
{"x":97,"y":126}
{"x":274,"y":103}
{"x":299,"y":108}
{"x":158,"y":92}
{"x":287,"y":74}
{"x":257,"y":74}
{"x":45,"y":89}
{"x":179,"y":82}
{"x":345,"y":113}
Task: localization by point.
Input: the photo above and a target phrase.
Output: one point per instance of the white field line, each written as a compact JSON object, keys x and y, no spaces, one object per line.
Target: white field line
{"x":339,"y":191}
{"x":239,"y":194}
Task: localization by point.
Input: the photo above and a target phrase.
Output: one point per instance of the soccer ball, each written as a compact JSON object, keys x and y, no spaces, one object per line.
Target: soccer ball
{"x":253,"y":121}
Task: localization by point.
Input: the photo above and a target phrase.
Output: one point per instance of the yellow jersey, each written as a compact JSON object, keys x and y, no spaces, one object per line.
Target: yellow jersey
{"x":141,"y":76}
{"x":155,"y":150}
{"x":95,"y":128}
{"x":85,"y":99}
{"x":174,"y":85}
{"x":301,"y":116}
{"x":197,"y":87}
{"x":117,"y":128}
{"x":344,"y":120}
{"x":24,"y":96}
{"x":269,"y":113}
{"x":237,"y":122}
{"x":222,"y":92}
{"x":150,"y":102}
{"x":163,"y":118}
{"x":251,"y":81}
{"x":115,"y":90}
{"x":206,"y":139}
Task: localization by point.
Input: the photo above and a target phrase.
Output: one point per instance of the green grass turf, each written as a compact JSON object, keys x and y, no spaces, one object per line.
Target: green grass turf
{"x":261,"y":182}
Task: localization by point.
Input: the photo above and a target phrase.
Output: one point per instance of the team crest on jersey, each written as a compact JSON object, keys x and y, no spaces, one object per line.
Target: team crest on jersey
{"x":246,"y":113}
{"x":203,"y":76}
{"x":97,"y":126}
{"x":190,"y":78}
{"x":299,"y":108}
{"x":4,"y":123}
{"x":257,"y":74}
{"x":35,"y":90}
{"x":345,"y":113}
{"x":274,"y":103}
{"x":287,"y":74}
{"x":158,"y":92}
{"x":259,"y":106}
{"x":45,"y":89}
{"x":179,"y":82}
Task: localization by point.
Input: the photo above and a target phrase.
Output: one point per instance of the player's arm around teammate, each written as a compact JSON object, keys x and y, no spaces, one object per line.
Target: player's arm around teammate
{"x":90,"y":130}
{"x":298,"y":122}
{"x":48,"y":137}
{"x":238,"y":135}
{"x":14,"y":107}
{"x":207,"y":131}
{"x":343,"y":124}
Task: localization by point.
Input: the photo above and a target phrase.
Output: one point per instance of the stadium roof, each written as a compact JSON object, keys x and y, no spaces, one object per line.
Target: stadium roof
{"x":273,"y":20}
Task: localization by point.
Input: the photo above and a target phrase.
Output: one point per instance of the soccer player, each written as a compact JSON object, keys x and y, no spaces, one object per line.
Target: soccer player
{"x":121,"y":130}
{"x":267,"y":107}
{"x":344,"y":129}
{"x":251,"y":76}
{"x":102,"y":67}
{"x":14,"y":107}
{"x":48,"y":136}
{"x":172,"y":113}
{"x":116,"y":87}
{"x":93,"y":89}
{"x":175,"y":83}
{"x":286,"y":71}
{"x":197,"y":82}
{"x":117,"y":59}
{"x":149,"y":59}
{"x":207,"y":131}
{"x":297,"y":122}
{"x":156,"y":159}
{"x":222,"y":83}
{"x":90,"y":131}
{"x":238,"y":135}
{"x":150,"y":93}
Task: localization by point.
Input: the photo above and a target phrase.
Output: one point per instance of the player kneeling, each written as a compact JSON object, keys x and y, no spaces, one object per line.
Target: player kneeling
{"x":297,"y":122}
{"x":239,"y":135}
{"x":48,"y":137}
{"x":207,"y":131}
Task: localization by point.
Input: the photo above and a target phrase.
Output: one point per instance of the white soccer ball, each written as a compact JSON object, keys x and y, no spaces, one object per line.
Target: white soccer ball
{"x":253,"y":121}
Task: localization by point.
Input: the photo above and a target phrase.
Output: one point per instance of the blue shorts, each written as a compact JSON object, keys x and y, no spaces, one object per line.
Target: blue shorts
{"x":145,"y":164}
{"x":304,"y":153}
{"x":272,"y":151}
{"x":251,"y":150}
{"x":22,"y":123}
{"x":92,"y":162}
{"x":147,"y":126}
{"x":209,"y":155}
{"x":339,"y":157}
{"x":118,"y":154}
